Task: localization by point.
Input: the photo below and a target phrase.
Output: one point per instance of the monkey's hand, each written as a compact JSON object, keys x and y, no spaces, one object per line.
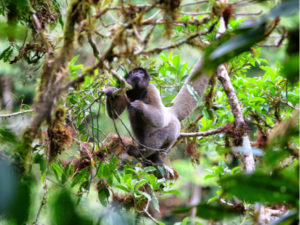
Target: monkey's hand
{"x":115,"y":103}
{"x":137,"y":105}
{"x":109,"y":91}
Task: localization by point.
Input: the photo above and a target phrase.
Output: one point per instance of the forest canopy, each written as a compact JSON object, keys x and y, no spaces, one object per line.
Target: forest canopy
{"x":64,"y":161}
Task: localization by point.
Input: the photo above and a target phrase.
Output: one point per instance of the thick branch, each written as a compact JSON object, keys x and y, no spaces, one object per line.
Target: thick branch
{"x":240,"y":135}
{"x":230,"y":92}
{"x":52,"y":77}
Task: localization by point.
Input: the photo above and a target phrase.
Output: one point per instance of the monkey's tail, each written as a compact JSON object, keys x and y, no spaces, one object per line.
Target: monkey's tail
{"x":185,"y":101}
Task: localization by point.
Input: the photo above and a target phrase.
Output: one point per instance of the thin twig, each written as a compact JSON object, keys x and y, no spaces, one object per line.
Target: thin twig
{"x":145,"y":41}
{"x":178,"y":22}
{"x":249,"y":14}
{"x":176,"y":45}
{"x":195,"y":13}
{"x":244,"y":3}
{"x":16,"y":113}
{"x":153,"y":16}
{"x":148,"y":214}
{"x":137,"y":34}
{"x":44,"y":198}
{"x":194,"y":3}
{"x":41,"y":31}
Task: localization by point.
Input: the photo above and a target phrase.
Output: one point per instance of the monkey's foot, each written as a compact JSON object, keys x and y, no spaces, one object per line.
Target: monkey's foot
{"x":132,"y":151}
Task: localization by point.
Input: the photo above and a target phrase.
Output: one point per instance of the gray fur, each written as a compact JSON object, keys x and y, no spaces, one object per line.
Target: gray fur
{"x":155,"y":126}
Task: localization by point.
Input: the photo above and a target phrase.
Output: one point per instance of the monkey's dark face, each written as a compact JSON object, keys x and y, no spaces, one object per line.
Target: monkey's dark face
{"x":138,"y":78}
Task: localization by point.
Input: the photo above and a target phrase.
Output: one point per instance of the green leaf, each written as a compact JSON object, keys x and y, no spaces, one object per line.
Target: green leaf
{"x":12,"y":31}
{"x":149,"y":169}
{"x":146,"y":195}
{"x":272,"y":158}
{"x":205,"y":114}
{"x":155,"y":203}
{"x":185,"y":221}
{"x":6,"y":53}
{"x":57,"y":169}
{"x":198,"y":223}
{"x":193,"y":92}
{"x":209,"y":176}
{"x":139,"y":184}
{"x":236,"y":169}
{"x":103,"y":195}
{"x":79,"y":177}
{"x":106,"y":170}
{"x":291,"y":68}
{"x":7,"y":136}
{"x":73,"y":60}
{"x":100,"y":170}
{"x":176,"y":192}
{"x":258,"y":187}
{"x":65,"y":174}
{"x":215,"y":212}
{"x":237,"y":45}
{"x":110,"y":180}
{"x":212,"y":199}
{"x":160,"y":223}
{"x":182,"y":209}
{"x":151,"y":178}
{"x":122,"y":187}
{"x":76,"y":67}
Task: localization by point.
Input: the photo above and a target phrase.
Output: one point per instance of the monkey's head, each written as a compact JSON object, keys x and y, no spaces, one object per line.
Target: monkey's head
{"x":138,"y":78}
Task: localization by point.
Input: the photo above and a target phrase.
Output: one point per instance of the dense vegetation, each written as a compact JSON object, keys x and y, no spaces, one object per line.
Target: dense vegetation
{"x":63,"y":161}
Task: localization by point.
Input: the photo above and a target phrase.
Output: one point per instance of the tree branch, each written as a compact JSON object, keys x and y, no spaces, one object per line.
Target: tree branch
{"x":205,"y":133}
{"x":16,"y":113}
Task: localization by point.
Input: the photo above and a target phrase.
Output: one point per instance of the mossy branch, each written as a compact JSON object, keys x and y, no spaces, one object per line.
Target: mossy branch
{"x":49,"y":91}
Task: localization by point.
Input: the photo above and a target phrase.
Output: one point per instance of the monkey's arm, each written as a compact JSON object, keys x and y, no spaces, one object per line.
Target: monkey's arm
{"x":153,"y":115}
{"x":151,"y":108}
{"x":115,"y":105}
